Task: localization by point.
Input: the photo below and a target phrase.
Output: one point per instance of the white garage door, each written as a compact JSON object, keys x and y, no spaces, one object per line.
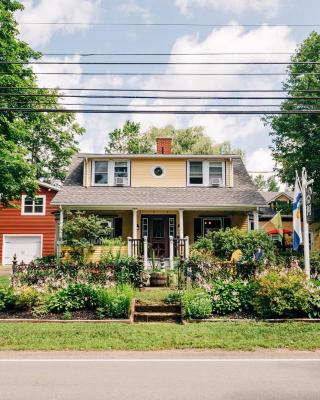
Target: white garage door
{"x":26,"y":248}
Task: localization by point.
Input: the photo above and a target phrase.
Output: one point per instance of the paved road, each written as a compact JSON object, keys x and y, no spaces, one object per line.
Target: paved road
{"x":165,"y":375}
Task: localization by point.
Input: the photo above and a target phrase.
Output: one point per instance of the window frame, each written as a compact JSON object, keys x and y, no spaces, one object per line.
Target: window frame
{"x":221,"y":219}
{"x":206,"y":172}
{"x":111,"y":172}
{"x":23,"y":199}
{"x":188,"y":173}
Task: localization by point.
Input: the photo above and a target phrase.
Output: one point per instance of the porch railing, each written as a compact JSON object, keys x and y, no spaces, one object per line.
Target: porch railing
{"x":178,"y":247}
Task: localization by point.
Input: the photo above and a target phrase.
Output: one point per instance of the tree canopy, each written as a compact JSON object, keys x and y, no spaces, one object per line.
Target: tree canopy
{"x":296,"y":137}
{"x":193,"y":140}
{"x":266,"y":184}
{"x":32,"y":145}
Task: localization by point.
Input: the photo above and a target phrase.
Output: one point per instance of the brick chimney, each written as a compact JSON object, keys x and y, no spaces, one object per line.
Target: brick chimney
{"x":164,"y":145}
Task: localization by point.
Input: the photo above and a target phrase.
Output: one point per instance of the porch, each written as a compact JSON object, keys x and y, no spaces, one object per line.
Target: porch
{"x":160,"y":236}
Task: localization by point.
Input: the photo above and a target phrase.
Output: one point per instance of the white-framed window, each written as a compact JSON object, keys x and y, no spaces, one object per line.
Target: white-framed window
{"x":33,"y":205}
{"x":206,"y":173}
{"x":216,"y":173}
{"x":101,"y":173}
{"x":145,"y":227}
{"x":110,"y":172}
{"x":195,"y":173}
{"x":251,"y":222}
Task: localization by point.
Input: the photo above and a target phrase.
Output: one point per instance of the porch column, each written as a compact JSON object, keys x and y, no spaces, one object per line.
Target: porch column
{"x":145,"y":252}
{"x":181,"y":227}
{"x":187,"y":250}
{"x":134,"y":223}
{"x":60,"y":233}
{"x":256,"y":220}
{"x":171,"y":251}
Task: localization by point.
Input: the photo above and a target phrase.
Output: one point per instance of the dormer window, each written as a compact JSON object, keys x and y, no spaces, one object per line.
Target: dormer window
{"x":195,"y":173}
{"x":101,"y":172}
{"x":206,"y":173}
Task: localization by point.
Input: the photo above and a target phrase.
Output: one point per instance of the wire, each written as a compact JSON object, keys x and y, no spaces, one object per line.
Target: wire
{"x":155,"y":63}
{"x":120,"y":111}
{"x":159,"y":97}
{"x":152,"y":105}
{"x":161,"y":90}
{"x":168,"y":24}
{"x":164,"y":54}
{"x":168,"y":74}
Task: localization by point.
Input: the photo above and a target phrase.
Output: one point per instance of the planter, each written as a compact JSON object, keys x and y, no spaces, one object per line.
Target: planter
{"x":158,"y":279}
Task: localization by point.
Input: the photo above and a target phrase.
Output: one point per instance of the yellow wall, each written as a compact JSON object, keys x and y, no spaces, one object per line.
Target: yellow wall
{"x":142,"y":173}
{"x":239,"y":220}
{"x":282,"y":198}
{"x":98,"y":252}
{"x":315,"y":228}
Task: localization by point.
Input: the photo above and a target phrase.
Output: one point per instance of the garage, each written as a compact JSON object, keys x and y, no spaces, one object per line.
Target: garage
{"x":25,"y":247}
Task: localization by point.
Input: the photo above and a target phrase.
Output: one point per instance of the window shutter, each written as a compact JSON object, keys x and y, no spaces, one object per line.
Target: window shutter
{"x":197,"y":228}
{"x":227,"y":223}
{"x":117,"y":227}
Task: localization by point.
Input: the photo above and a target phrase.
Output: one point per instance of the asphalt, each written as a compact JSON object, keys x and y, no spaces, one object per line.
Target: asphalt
{"x":161,"y":375}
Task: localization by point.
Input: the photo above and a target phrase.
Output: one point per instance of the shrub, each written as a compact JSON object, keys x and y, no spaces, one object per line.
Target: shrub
{"x":314,"y":302}
{"x":26,"y":298}
{"x":196,"y":304}
{"x":115,"y":302}
{"x":128,"y":270}
{"x":6,"y":299}
{"x":315,"y":264}
{"x":225,"y":242}
{"x":230,"y":296}
{"x":76,"y":296}
{"x":173,"y":297}
{"x":281,"y":294}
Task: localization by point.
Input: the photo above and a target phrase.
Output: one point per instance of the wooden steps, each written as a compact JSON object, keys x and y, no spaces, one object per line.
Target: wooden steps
{"x":156,"y":312}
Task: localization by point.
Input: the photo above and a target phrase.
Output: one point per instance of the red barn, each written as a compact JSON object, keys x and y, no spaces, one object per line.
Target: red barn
{"x":29,"y":229}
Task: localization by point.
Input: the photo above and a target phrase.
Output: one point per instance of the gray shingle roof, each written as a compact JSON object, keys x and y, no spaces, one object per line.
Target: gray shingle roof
{"x":270,"y":196}
{"x":242,"y":193}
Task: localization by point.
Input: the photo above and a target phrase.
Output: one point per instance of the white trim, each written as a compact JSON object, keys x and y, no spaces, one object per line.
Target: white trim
{"x":111,"y":169}
{"x":48,"y":186}
{"x":278,"y":195}
{"x":93,"y":156}
{"x":24,"y":196}
{"x":162,"y":206}
{"x":206,"y":172}
{"x":158,"y":166}
{"x":19,"y":234}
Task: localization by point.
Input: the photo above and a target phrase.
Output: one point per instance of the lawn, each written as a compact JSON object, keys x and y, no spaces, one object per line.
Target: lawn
{"x":4,"y":280}
{"x":224,"y":335}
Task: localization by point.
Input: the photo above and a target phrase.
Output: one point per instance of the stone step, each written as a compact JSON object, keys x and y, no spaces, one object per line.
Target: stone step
{"x":157,"y":317}
{"x":157,"y":307}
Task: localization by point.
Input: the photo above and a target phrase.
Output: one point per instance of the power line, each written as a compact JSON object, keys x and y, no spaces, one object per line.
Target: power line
{"x":166,"y":54}
{"x":150,"y":105}
{"x":160,"y":97}
{"x":168,"y":74}
{"x":162,"y":90}
{"x":155,"y":63}
{"x":121,"y":111}
{"x":169,"y":24}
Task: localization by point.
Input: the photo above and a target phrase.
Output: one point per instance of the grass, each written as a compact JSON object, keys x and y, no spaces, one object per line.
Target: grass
{"x":4,"y":281}
{"x":154,"y":295}
{"x":224,"y":336}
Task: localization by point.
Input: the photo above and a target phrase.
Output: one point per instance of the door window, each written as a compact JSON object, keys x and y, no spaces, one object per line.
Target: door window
{"x":158,"y":228}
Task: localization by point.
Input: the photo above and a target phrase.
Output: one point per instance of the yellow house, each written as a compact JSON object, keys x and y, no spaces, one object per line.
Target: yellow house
{"x":160,"y":203}
{"x":277,"y":201}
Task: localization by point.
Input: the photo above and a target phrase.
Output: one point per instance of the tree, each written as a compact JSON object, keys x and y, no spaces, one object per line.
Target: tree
{"x":296,"y":138}
{"x":270,"y":184}
{"x":192,"y":140}
{"x":127,"y":140}
{"x":33,"y":145}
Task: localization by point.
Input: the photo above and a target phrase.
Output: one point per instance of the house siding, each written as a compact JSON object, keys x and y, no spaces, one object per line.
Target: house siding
{"x":13,"y":223}
{"x":142,"y":173}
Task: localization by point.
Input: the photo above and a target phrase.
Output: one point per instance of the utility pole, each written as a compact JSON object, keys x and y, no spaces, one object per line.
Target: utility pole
{"x":306,"y":245}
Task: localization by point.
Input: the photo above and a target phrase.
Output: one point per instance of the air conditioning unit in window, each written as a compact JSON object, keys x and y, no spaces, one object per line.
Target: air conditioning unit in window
{"x":120,"y":181}
{"x":216,"y":182}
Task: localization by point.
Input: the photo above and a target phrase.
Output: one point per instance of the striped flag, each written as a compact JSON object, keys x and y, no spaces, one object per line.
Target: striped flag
{"x":297,"y":234}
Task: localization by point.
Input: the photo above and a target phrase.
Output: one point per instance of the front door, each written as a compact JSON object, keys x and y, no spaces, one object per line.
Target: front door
{"x":158,"y":228}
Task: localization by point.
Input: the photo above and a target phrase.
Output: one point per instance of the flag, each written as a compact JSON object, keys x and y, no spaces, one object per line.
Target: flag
{"x":277,"y":222}
{"x":297,"y":235}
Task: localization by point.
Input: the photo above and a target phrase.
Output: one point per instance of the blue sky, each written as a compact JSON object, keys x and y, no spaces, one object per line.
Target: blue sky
{"x":246,"y":132}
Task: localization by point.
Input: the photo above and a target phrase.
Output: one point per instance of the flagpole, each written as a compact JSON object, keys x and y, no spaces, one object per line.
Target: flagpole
{"x":306,"y":245}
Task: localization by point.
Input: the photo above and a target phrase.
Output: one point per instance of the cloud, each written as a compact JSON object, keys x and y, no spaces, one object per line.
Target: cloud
{"x":131,"y":7}
{"x":260,"y":161}
{"x":85,"y":11}
{"x":269,"y":8}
